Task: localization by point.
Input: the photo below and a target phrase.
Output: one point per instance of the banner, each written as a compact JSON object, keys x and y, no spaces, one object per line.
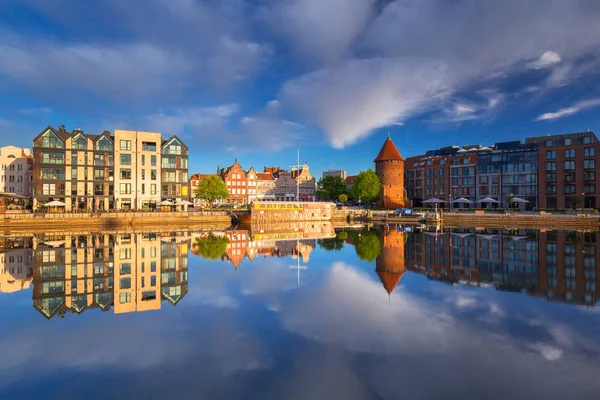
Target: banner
{"x":278,"y":206}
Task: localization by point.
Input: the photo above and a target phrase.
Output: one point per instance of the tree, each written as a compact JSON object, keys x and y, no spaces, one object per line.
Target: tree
{"x":575,"y":199}
{"x":330,"y":187}
{"x":368,"y":246}
{"x":367,"y":185}
{"x":211,"y":247}
{"x":211,"y":188}
{"x":331,"y":244}
{"x":509,"y":200}
{"x":343,"y":198}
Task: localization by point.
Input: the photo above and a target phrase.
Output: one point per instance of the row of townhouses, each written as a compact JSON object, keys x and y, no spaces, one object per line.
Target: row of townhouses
{"x":274,"y":183}
{"x":546,"y":171}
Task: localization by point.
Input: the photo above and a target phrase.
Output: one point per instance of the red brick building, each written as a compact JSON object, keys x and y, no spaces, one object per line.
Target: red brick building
{"x":237,"y":183}
{"x":390,"y":262}
{"x":567,"y":167}
{"x":389,"y":166}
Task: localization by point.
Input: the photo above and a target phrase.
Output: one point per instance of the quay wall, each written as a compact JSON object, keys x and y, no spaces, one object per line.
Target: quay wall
{"x":523,"y":221}
{"x":112,"y":220}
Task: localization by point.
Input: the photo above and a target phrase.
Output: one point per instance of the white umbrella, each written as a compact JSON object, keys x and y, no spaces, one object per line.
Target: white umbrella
{"x":518,"y":200}
{"x":462,"y":235}
{"x":165,"y":203}
{"x":487,"y":200}
{"x":462,"y":200}
{"x":434,"y":200}
{"x":184,"y":203}
{"x":55,"y":203}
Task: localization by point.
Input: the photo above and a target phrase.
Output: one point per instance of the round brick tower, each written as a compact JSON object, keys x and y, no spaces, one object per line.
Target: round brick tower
{"x":389,"y":166}
{"x":390,"y":263}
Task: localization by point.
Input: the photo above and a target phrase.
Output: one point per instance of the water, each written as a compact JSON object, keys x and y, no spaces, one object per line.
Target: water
{"x":359,"y":315}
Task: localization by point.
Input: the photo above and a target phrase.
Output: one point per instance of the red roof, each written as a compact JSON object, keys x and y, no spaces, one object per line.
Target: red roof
{"x":201,"y":176}
{"x":389,"y":280}
{"x":350,"y":179}
{"x":271,"y":169}
{"x":388,"y":152}
{"x":263,"y":176}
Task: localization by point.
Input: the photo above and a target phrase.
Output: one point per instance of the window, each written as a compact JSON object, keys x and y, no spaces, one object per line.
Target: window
{"x":153,"y":161}
{"x":184,"y":163}
{"x":173,"y":148}
{"x":79,"y":143}
{"x":125,"y":269}
{"x":126,"y":145}
{"x":49,"y":139}
{"x":568,"y":142}
{"x":98,"y":159}
{"x":550,"y":189}
{"x":587,"y":140}
{"x":153,"y":188}
{"x":143,"y":188}
{"x":143,"y":160}
{"x":153,"y":174}
{"x":153,"y":281}
{"x":589,"y":164}
{"x":549,"y":143}
{"x":104,"y":145}
{"x":569,"y":189}
{"x":169,"y":162}
{"x":74,"y":159}
{"x":550,"y":178}
{"x":551,"y":155}
{"x":589,"y":188}
{"x":550,"y":166}
{"x":125,"y":159}
{"x":589,"y":176}
{"x":589,"y":152}
{"x":148,"y":146}
{"x":569,"y":165}
{"x":125,"y":188}
{"x":49,"y":189}
{"x":125,"y":254}
{"x":429,"y":162}
{"x":125,"y":173}
{"x":483,"y":180}
{"x":98,"y":174}
{"x":570,"y":153}
{"x":125,"y":298}
{"x":125,"y":283}
{"x":73,"y":173}
{"x":53,"y":158}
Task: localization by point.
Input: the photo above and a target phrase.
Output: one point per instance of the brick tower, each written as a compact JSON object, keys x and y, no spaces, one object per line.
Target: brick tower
{"x":390,"y":263}
{"x":389,"y":166}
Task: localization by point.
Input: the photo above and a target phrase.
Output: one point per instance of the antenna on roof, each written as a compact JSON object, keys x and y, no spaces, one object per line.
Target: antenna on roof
{"x":388,"y":133}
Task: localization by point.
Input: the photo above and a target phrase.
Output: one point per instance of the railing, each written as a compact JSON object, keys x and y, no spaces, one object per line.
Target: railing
{"x":112,"y":214}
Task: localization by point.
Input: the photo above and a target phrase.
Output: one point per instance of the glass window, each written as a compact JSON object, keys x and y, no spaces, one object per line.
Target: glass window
{"x":125,"y":159}
{"x":153,"y":174}
{"x":568,"y":142}
{"x":79,"y":143}
{"x":125,"y":268}
{"x":143,"y":160}
{"x":125,"y":173}
{"x":153,"y":280}
{"x":153,"y":161}
{"x":570,"y":153}
{"x":589,"y":164}
{"x":589,"y":152}
{"x":125,"y":188}
{"x":549,"y":143}
{"x":125,"y":283}
{"x":125,"y":144}
{"x":569,"y":165}
{"x":104,"y":145}
{"x":49,"y":139}
{"x":125,"y":298}
{"x":148,"y":146}
{"x":551,"y":155}
{"x":550,"y":166}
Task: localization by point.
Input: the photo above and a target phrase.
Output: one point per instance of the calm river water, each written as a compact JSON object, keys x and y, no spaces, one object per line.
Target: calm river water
{"x":318,"y":314}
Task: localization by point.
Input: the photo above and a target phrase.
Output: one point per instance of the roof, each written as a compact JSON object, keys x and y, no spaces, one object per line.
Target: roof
{"x":201,"y":176}
{"x":350,"y":179}
{"x":263,"y":176}
{"x":389,"y":280}
{"x":388,"y":152}
{"x":271,"y":169}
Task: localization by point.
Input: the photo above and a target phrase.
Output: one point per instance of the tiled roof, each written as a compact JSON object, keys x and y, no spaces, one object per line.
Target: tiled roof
{"x":389,"y":280}
{"x":263,"y":176}
{"x":350,"y":179}
{"x":388,"y":152}
{"x":201,"y":176}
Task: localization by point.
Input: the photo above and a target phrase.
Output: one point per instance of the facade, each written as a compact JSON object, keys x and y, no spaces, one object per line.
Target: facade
{"x":265,"y":186}
{"x":15,"y":270}
{"x":174,"y":171}
{"x":335,"y":172}
{"x":389,"y":166}
{"x":306,"y":184}
{"x":105,"y":172}
{"x":237,"y":184}
{"x":567,"y":168}
{"x":16,"y":173}
{"x":349,"y":181}
{"x":252,"y":180}
{"x":285,"y":186}
{"x":194,"y":182}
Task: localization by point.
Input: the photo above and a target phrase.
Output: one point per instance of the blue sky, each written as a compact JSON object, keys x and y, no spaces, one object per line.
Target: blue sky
{"x":252,"y":79}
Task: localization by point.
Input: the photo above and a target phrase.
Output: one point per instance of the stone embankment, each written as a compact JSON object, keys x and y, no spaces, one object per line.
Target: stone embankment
{"x":113,"y":220}
{"x":518,"y":220}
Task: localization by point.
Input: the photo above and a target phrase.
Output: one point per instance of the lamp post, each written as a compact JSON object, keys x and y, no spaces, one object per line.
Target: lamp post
{"x":582,"y":202}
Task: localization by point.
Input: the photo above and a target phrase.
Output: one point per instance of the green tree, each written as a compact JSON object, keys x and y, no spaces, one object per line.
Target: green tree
{"x":331,"y":244}
{"x":343,"y":235}
{"x":211,"y":188}
{"x":575,"y":199}
{"x":330,"y":187}
{"x":343,"y":198}
{"x":367,"y":185}
{"x":368,"y":246}
{"x":211,"y":247}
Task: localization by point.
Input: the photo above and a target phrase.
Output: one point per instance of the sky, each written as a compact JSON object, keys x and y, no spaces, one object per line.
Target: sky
{"x":253,"y":79}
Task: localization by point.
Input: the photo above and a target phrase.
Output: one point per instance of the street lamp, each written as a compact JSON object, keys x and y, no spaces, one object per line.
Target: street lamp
{"x":582,"y":202}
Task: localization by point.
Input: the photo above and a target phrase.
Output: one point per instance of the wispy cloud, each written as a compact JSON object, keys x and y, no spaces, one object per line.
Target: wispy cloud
{"x":571,"y":110}
{"x":36,"y":111}
{"x":546,"y":60}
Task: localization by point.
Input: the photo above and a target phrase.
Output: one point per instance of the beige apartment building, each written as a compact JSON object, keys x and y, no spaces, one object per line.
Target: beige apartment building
{"x":137,"y":169}
{"x":15,"y":270}
{"x":16,"y":175}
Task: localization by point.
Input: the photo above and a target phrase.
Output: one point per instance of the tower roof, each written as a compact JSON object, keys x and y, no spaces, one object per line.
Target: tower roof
{"x":389,"y":280}
{"x":388,"y":152}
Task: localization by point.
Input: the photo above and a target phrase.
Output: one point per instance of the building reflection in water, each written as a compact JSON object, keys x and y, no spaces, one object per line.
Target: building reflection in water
{"x":390,"y":264}
{"x":15,"y":264}
{"x":560,"y":266}
{"x":128,"y":272}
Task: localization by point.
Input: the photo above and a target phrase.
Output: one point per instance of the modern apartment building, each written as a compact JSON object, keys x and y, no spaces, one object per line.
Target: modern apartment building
{"x":105,"y":172}
{"x":16,"y":171}
{"x":567,"y":167}
{"x":545,"y":171}
{"x":335,"y":172}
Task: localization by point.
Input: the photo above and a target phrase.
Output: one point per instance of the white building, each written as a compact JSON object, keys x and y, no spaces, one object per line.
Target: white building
{"x":16,"y":174}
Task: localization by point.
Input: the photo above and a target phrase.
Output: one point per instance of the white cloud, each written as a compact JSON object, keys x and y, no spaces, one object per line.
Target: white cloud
{"x":571,"y":110}
{"x":547,"y":59}
{"x":198,"y":121}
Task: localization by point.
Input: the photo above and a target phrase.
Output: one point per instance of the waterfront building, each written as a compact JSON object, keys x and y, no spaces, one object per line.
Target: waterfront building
{"x":306,"y":184}
{"x":16,"y":171}
{"x":349,"y":181}
{"x":265,"y":186}
{"x":285,"y":186}
{"x":567,"y":168}
{"x":335,"y":172}
{"x":252,"y":179}
{"x":390,"y":264}
{"x":194,"y":182}
{"x":389,"y":166}
{"x":237,"y":183}
{"x":15,"y":270}
{"x":174,"y":171}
